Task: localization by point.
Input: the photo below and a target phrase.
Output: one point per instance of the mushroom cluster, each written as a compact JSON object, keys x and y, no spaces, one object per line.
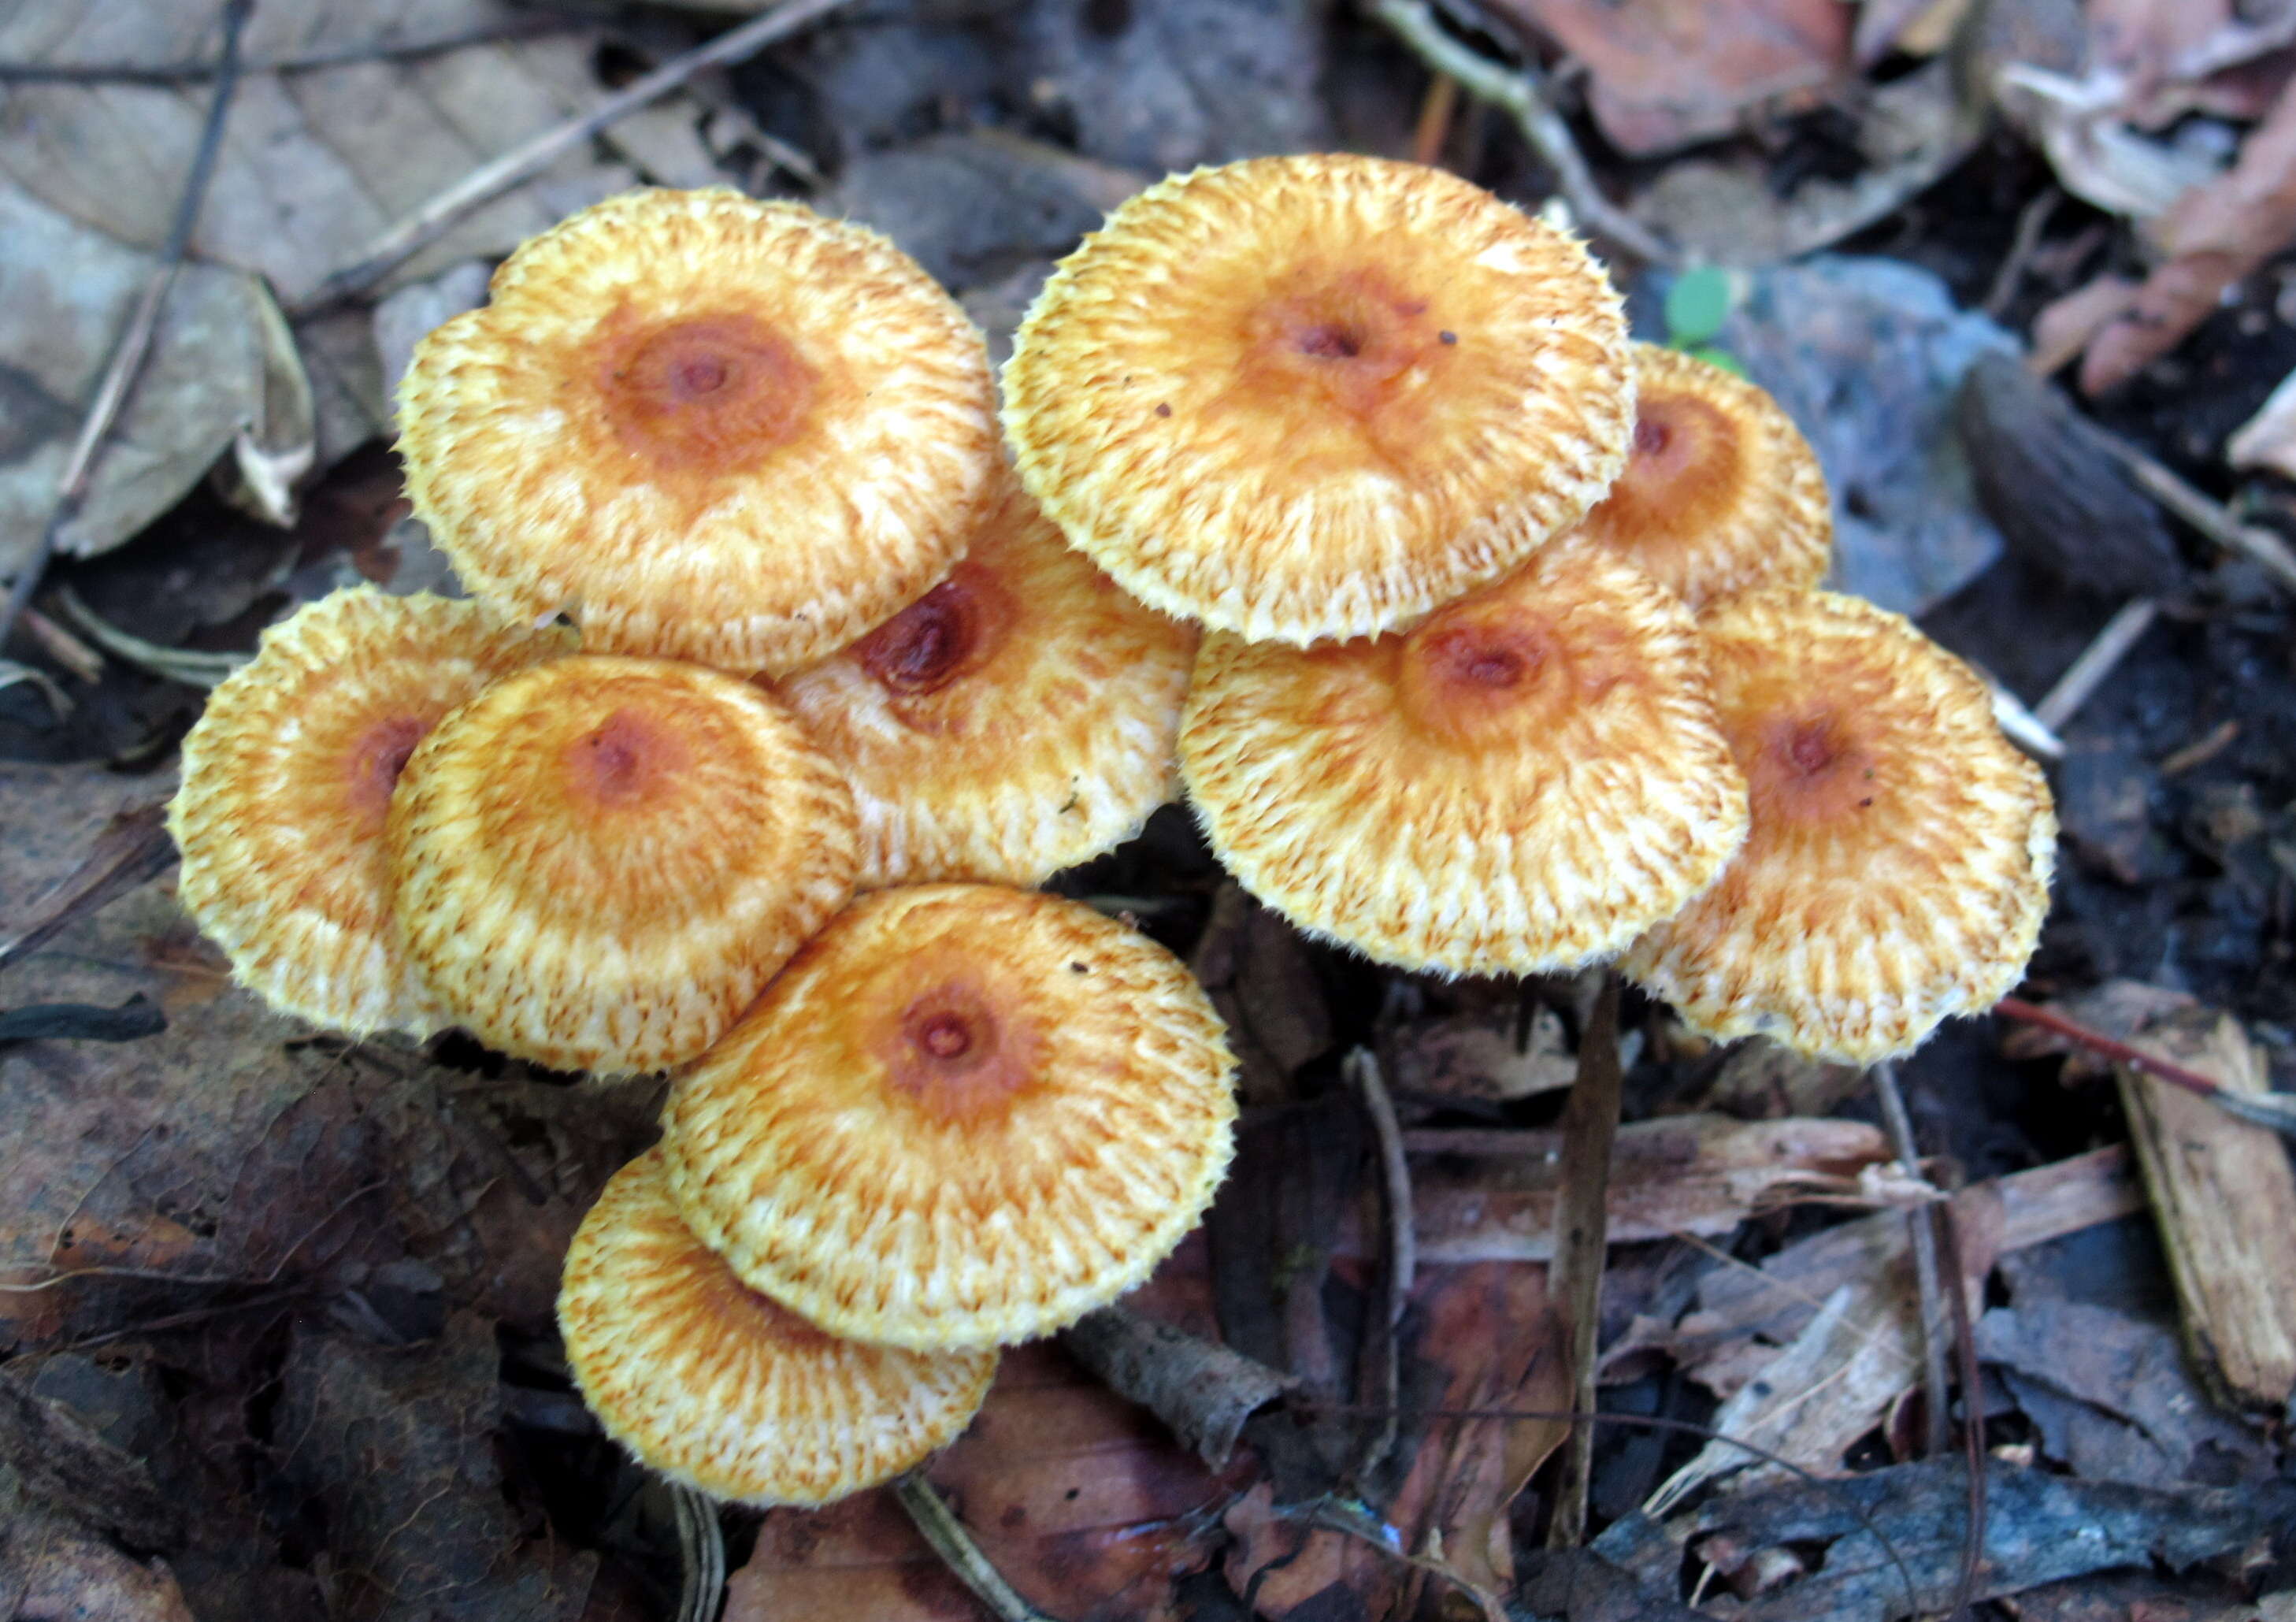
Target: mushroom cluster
{"x":1483,"y":640}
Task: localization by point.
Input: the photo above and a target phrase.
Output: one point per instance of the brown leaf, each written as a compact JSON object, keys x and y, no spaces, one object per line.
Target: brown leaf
{"x":1669,"y":72}
{"x":1079,"y":1498}
{"x":2216,"y":235}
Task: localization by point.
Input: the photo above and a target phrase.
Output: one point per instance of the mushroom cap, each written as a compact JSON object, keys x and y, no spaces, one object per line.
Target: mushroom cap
{"x":963,"y":1116}
{"x":287,"y":779}
{"x":1721,"y":494}
{"x":1308,"y":397}
{"x":1527,"y":780}
{"x":600,"y":862}
{"x":725,"y":1391}
{"x":707,"y":427}
{"x":1017,"y":719}
{"x":1898,"y":864}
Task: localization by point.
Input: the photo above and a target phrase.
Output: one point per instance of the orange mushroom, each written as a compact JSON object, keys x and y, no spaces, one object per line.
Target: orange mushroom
{"x":706,"y":427}
{"x":963,"y":1116}
{"x":1721,"y":493}
{"x":1316,"y":397}
{"x":1523,"y":783}
{"x":599,"y":863}
{"x":1017,"y":719}
{"x":723,"y":1390}
{"x":287,"y":779}
{"x":1898,"y":867}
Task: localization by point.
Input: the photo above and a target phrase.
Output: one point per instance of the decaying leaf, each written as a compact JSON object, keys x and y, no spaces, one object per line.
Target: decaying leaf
{"x":1669,"y":72}
{"x":2214,"y":237}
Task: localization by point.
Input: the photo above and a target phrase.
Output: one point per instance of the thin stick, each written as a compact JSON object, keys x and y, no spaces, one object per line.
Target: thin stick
{"x":2212,"y":519}
{"x":1582,"y":1215}
{"x":2078,"y":684}
{"x":1518,"y":91}
{"x":522,"y":163}
{"x":946,"y":1533}
{"x":330,"y":56}
{"x":2032,"y":219}
{"x":1382,"y":1359}
{"x":2262,"y":1109}
{"x":136,"y":341}
{"x":1937,"y":1385}
{"x":1973,"y":1417}
{"x":1435,"y":114}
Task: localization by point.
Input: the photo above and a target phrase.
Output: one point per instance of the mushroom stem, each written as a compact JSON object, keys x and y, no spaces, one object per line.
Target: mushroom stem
{"x":1590,"y":1129}
{"x":1381,"y":1366}
{"x":1935,"y":1383}
{"x":938,"y":1524}
{"x":701,"y":1555}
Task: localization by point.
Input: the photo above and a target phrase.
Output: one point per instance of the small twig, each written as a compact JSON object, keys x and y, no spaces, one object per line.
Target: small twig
{"x":1381,"y":1358}
{"x":522,"y":162}
{"x":330,"y":56}
{"x":2032,"y":220}
{"x":2219,"y":738}
{"x":2079,"y":682}
{"x":946,"y":1533}
{"x":2212,"y":519}
{"x":2273,"y":1109}
{"x":2020,"y":725}
{"x":1936,"y":1383}
{"x":1435,"y":115}
{"x":134,"y":343}
{"x":1582,"y":1215}
{"x":1518,"y":91}
{"x":702,"y":1556}
{"x":1973,"y":1403}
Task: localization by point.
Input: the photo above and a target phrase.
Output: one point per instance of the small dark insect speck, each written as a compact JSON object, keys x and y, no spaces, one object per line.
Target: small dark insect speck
{"x":1864,"y":803}
{"x":1163,"y":411}
{"x":1448,"y":337}
{"x":1081,"y":968}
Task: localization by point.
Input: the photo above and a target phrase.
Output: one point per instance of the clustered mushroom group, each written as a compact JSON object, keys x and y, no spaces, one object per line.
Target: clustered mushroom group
{"x":1484,"y":641}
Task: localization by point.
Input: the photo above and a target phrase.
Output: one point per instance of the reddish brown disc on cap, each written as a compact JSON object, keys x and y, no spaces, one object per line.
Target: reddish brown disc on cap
{"x":963,"y":1116}
{"x":1525,"y":781}
{"x":598,"y":869}
{"x":1017,"y":719}
{"x":706,"y":427}
{"x":1308,"y":397}
{"x":725,"y":1390}
{"x":1898,"y":867}
{"x":287,"y":780}
{"x":1721,"y":493}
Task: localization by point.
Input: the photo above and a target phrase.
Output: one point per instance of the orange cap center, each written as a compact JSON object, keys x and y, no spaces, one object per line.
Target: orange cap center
{"x":1477,"y":676}
{"x":1807,"y":767}
{"x":1351,"y":333}
{"x":952,"y":1057}
{"x":950,"y":632}
{"x":1685,"y":459}
{"x":706,"y":397}
{"x":376,"y":756}
{"x":622,"y":761}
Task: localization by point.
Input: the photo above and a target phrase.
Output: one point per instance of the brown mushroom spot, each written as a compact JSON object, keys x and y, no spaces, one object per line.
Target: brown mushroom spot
{"x":624,"y":760}
{"x":952,"y":1057}
{"x":1805,"y":766}
{"x":1352,"y":334}
{"x":1482,"y":675}
{"x":703,"y":396}
{"x":377,"y":755}
{"x":947,"y":634}
{"x":1687,"y":465}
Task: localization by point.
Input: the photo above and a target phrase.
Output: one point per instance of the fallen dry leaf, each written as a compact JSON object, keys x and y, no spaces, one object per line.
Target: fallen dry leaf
{"x":1669,"y":72}
{"x":2214,"y":236}
{"x":2268,"y":438}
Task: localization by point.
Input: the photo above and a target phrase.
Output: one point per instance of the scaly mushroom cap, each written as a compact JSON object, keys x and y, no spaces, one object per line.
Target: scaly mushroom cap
{"x":1721,"y":494}
{"x":601,"y":862}
{"x":1309,"y":397}
{"x":965,"y":1115}
{"x":287,"y":778}
{"x":1526,"y":780}
{"x":1898,"y":864}
{"x":723,"y":1391}
{"x":707,"y":428}
{"x":1017,"y":719}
